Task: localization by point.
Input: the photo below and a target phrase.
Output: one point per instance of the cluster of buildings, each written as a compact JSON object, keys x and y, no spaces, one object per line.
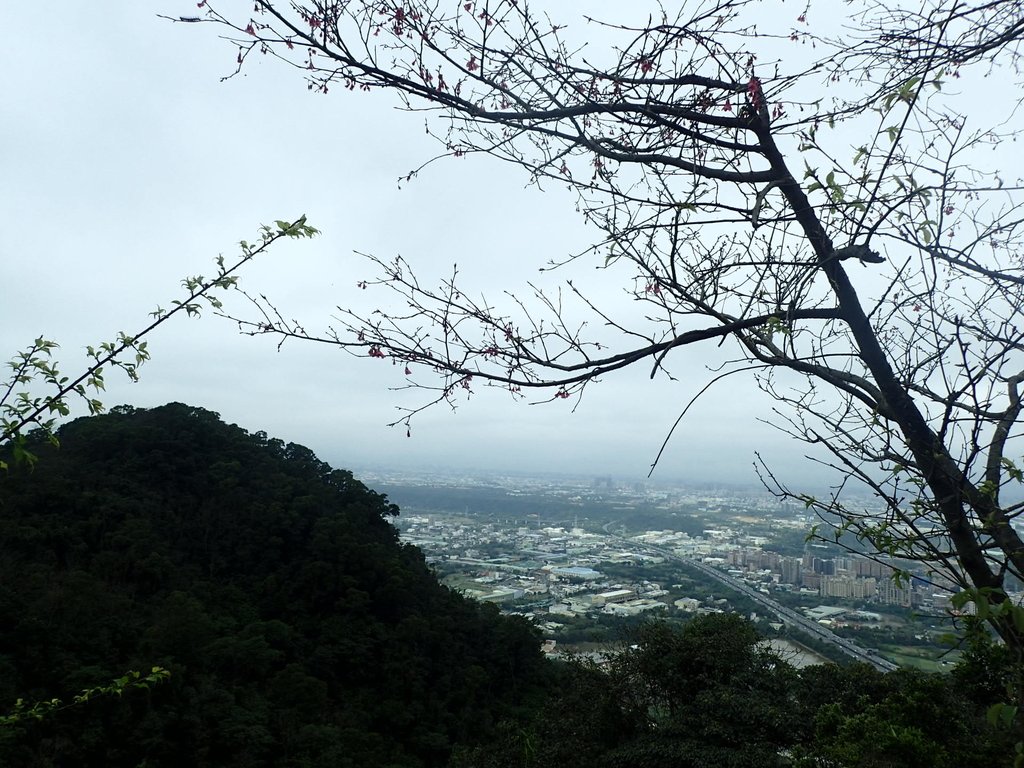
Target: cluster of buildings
{"x":845,"y":577}
{"x":557,"y":569}
{"x":849,"y":577}
{"x":552,"y":571}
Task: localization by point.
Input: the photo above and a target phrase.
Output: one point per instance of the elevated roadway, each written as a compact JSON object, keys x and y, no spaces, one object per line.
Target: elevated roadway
{"x":786,"y":615}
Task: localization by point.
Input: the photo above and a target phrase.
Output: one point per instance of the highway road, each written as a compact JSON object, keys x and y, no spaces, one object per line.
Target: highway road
{"x":786,"y":615}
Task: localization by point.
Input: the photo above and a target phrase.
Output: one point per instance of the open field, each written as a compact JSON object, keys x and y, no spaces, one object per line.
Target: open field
{"x":925,"y":658}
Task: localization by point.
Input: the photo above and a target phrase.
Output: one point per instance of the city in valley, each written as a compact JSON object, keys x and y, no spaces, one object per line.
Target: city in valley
{"x":587,"y":558}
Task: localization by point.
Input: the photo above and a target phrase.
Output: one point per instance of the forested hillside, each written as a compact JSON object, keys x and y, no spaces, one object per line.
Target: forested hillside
{"x":297,"y":629}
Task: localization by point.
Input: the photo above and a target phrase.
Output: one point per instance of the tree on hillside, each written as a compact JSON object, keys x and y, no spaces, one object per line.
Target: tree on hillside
{"x":708,"y":693}
{"x":36,"y":393}
{"x":813,"y":191}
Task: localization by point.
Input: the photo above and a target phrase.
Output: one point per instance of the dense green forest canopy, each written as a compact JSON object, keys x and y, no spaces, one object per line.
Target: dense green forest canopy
{"x":299,"y":631}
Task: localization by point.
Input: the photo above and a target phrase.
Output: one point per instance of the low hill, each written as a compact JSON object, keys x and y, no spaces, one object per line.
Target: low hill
{"x":297,"y":629}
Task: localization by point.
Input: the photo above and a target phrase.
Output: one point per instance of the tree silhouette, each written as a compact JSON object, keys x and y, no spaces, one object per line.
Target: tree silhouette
{"x":820,"y":197}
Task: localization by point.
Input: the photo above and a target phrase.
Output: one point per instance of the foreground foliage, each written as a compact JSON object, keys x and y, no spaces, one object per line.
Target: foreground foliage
{"x":36,"y":392}
{"x":709,"y":695}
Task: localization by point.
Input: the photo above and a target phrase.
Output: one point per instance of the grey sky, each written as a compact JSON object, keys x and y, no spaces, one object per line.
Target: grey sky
{"x":128,"y":165}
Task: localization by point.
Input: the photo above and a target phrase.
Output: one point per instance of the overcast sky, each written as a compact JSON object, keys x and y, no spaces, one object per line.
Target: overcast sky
{"x":128,"y":165}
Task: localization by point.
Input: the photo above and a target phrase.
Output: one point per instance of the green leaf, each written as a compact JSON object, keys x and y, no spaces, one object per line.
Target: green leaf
{"x":1001,"y":714}
{"x":1012,"y":470}
{"x":960,"y":599}
{"x":1017,"y":616}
